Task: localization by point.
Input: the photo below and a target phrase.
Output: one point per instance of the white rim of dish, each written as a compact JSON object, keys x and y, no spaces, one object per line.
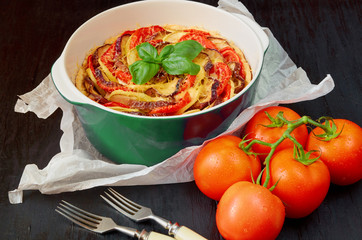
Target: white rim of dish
{"x":58,"y":71}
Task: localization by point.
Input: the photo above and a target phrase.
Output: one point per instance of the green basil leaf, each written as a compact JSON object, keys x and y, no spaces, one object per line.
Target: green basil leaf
{"x":142,"y":71}
{"x":147,"y":52}
{"x":176,"y":65}
{"x":165,"y":52}
{"x":188,"y":49}
{"x":175,"y":59}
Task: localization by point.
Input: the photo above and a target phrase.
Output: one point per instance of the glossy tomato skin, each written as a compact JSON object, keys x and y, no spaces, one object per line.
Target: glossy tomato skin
{"x":220,"y":163}
{"x":342,"y":155}
{"x":249,"y":211}
{"x":302,"y":188}
{"x":255,"y":130}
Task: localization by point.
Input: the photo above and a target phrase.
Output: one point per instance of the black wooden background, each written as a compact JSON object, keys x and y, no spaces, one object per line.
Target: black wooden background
{"x":321,"y":36}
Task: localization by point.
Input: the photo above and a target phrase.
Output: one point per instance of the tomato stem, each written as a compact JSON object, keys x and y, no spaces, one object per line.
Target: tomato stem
{"x":330,"y":129}
{"x":300,"y":155}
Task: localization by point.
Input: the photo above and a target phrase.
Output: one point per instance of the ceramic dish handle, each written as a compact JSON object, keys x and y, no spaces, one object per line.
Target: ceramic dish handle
{"x":184,"y":233}
{"x":63,"y":84}
{"x":264,"y":39}
{"x":158,"y":236}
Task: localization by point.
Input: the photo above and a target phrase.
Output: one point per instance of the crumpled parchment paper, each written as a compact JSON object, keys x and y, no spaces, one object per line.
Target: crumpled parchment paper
{"x":79,"y":165}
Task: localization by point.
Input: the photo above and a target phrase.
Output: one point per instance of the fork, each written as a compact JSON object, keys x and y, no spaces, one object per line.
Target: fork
{"x":101,"y":224}
{"x":139,"y":213}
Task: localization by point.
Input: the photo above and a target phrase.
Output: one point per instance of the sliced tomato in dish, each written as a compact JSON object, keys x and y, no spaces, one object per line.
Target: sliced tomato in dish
{"x":199,"y":37}
{"x":172,"y":108}
{"x":223,"y":73}
{"x":144,"y":34}
{"x":230,"y":55}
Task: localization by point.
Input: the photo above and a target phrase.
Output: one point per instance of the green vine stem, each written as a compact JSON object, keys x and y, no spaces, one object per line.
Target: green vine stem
{"x":330,"y":132}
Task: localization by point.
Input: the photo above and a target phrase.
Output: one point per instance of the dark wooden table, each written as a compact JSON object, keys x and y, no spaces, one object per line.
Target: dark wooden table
{"x":322,"y":36}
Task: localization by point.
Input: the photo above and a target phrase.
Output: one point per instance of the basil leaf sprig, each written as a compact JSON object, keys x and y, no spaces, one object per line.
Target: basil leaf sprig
{"x":174,"y":59}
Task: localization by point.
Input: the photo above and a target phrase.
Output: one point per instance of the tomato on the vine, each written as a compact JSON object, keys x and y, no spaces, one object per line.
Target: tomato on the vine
{"x":343,"y":154}
{"x":257,"y":128}
{"x":249,"y":211}
{"x":221,"y":163}
{"x":302,"y":188}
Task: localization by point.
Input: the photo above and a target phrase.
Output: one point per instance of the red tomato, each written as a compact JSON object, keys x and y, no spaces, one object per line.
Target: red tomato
{"x":199,"y":37}
{"x":302,"y":188}
{"x":342,"y":155}
{"x":230,"y":55}
{"x":108,"y":59}
{"x":198,"y":32}
{"x":170,"y":109}
{"x":221,"y":163}
{"x":249,"y":211}
{"x":144,"y":34}
{"x":223,"y":73}
{"x":255,"y":129}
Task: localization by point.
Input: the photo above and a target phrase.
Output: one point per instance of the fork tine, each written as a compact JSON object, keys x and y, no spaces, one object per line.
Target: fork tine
{"x":79,"y":210}
{"x":129,"y":207}
{"x":76,"y":210}
{"x":125,"y":201}
{"x":77,"y":216}
{"x":115,"y":204}
{"x":65,"y":213}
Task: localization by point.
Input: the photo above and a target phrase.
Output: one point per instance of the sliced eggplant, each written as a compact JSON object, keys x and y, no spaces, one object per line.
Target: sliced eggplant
{"x":214,"y":55}
{"x":220,"y":43}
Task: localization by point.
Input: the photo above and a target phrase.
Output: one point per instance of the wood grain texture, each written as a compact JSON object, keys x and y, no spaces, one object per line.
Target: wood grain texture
{"x":322,"y":37}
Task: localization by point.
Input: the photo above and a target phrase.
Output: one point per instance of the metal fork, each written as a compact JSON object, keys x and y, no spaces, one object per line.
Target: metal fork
{"x":139,"y":213}
{"x":101,"y":224}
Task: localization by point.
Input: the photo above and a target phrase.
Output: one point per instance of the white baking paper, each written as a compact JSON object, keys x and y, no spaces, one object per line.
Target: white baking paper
{"x":79,"y":165}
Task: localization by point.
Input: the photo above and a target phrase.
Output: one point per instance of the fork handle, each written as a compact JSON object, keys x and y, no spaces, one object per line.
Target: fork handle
{"x":158,"y":236}
{"x":184,"y":233}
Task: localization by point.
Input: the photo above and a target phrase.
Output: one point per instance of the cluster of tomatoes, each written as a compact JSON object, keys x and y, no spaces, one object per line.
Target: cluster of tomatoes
{"x":257,"y":188}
